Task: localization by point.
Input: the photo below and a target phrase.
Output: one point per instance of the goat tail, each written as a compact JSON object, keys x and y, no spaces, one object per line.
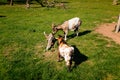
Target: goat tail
{"x":80,"y":22}
{"x":72,"y":50}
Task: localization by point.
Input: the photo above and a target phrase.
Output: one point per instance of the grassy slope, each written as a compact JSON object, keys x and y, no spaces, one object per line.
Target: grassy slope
{"x":22,"y":42}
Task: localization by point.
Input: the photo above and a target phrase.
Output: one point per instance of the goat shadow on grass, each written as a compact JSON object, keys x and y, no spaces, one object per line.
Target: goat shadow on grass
{"x":80,"y":34}
{"x":78,"y":57}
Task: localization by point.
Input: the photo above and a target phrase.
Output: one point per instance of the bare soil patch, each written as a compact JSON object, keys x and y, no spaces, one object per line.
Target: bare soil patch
{"x":107,"y":29}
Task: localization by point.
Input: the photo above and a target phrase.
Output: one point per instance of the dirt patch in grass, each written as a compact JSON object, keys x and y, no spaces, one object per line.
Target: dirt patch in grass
{"x":109,"y":77}
{"x":47,"y":55}
{"x":50,"y":55}
{"x":108,"y":30}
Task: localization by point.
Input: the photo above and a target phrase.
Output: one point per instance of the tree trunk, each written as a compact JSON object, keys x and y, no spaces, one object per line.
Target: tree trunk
{"x":118,"y":25}
{"x":11,"y":2}
{"x":115,"y":2}
{"x":27,"y":4}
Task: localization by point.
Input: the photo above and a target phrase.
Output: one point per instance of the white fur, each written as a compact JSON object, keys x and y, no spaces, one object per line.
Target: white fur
{"x":72,"y":22}
{"x":66,"y":52}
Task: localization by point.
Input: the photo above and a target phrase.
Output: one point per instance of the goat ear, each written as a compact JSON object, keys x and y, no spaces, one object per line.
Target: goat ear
{"x":56,"y":38}
{"x":46,"y":36}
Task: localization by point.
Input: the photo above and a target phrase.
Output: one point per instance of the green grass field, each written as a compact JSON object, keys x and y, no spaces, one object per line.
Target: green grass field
{"x":22,"y":43}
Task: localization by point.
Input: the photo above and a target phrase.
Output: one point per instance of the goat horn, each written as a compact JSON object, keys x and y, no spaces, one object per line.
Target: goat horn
{"x":45,"y":35}
{"x":53,"y":24}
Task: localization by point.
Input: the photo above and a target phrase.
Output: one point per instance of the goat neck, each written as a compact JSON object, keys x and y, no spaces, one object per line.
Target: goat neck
{"x":59,"y":27}
{"x":61,"y":41}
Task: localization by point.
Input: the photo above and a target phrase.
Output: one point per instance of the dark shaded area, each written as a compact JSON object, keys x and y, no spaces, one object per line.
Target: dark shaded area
{"x":32,"y":30}
{"x":1,"y":16}
{"x":80,"y":34}
{"x":65,"y":2}
{"x":14,"y":1}
{"x":3,"y":3}
{"x":78,"y":57}
{"x":57,"y":1}
{"x":43,"y":3}
{"x":20,"y":2}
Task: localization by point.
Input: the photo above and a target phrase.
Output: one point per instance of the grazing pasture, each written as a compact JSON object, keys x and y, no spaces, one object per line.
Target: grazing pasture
{"x":22,"y":42}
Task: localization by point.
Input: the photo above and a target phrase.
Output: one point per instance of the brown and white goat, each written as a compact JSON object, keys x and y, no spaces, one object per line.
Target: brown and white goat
{"x":65,"y":51}
{"x":72,"y":24}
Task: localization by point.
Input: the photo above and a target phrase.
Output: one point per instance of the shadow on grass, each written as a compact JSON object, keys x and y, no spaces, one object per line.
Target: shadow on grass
{"x":1,"y":16}
{"x":78,"y":57}
{"x":85,"y":32}
{"x":80,"y":34}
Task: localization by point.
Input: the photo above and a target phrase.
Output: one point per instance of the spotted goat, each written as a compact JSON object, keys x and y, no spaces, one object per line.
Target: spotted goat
{"x":65,"y":51}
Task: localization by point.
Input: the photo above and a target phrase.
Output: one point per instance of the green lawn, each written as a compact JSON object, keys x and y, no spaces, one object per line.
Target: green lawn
{"x":22,"y":43}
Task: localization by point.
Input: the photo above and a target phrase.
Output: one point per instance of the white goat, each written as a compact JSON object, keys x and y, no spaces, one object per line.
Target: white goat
{"x":65,"y":51}
{"x":72,"y":24}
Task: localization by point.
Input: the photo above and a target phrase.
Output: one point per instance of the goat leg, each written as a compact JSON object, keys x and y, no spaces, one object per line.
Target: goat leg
{"x":65,"y":34}
{"x":58,"y":57}
{"x":69,"y":66}
{"x":76,"y":31}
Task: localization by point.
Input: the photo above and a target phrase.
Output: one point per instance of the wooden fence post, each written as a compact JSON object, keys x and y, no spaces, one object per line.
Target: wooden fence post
{"x":115,"y":2}
{"x":27,"y":4}
{"x":11,"y":2}
{"x":117,"y":29}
